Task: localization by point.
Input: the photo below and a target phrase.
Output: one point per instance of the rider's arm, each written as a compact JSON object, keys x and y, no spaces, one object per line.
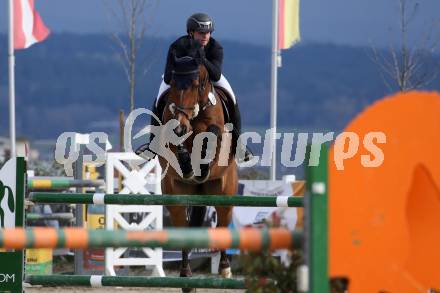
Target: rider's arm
{"x":214,"y":63}
{"x":168,"y":67}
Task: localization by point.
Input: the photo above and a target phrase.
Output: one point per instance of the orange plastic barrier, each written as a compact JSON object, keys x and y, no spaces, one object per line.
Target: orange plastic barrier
{"x":385,"y":221}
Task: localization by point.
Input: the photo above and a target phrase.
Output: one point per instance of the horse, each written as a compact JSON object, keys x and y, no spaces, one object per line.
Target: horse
{"x":197,"y":106}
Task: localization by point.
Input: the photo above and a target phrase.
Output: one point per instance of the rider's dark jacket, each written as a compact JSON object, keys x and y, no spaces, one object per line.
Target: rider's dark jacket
{"x":213,"y":59}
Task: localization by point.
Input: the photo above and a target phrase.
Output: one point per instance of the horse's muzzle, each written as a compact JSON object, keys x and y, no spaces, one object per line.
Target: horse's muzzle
{"x":180,"y":130}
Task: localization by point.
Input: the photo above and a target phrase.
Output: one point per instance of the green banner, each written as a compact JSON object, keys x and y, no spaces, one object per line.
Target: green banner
{"x":12,"y":180}
{"x":11,"y":266}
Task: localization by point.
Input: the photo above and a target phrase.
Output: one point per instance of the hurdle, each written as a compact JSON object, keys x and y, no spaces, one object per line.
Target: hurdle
{"x":152,"y":282}
{"x":314,"y":238}
{"x":61,"y":183}
{"x":167,"y":200}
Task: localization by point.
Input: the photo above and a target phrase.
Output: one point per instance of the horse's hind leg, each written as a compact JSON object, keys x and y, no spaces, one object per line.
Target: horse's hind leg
{"x":224,"y":216}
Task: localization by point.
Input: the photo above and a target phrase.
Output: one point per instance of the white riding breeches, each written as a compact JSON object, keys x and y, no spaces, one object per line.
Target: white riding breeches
{"x":163,"y":87}
{"x":222,"y":82}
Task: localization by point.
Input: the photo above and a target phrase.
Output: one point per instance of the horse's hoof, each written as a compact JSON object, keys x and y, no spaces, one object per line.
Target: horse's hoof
{"x":185,"y":273}
{"x":144,"y":152}
{"x":226,"y":273}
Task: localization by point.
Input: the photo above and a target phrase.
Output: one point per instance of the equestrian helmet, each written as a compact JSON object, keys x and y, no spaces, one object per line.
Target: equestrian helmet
{"x":200,"y":22}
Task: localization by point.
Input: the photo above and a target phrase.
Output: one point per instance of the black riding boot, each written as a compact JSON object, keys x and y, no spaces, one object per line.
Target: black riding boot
{"x":144,"y":150}
{"x":236,"y":120}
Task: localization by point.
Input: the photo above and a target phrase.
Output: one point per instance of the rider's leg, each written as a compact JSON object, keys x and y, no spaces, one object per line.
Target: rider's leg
{"x":157,"y":109}
{"x":236,"y":120}
{"x":236,"y":117}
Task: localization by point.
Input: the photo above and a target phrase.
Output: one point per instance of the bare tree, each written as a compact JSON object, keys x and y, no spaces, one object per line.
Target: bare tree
{"x":407,"y":66}
{"x":131,"y":16}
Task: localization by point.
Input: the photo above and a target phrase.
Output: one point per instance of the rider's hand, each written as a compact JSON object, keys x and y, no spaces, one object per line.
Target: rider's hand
{"x":200,"y":56}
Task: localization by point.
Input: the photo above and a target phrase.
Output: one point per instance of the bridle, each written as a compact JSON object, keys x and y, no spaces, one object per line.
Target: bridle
{"x":175,"y":108}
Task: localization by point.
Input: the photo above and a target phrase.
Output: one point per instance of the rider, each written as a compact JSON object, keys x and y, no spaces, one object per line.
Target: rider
{"x":199,"y":27}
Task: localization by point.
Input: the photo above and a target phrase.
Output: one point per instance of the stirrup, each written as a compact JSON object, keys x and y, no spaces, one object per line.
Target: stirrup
{"x":248,"y":155}
{"x":145,"y":152}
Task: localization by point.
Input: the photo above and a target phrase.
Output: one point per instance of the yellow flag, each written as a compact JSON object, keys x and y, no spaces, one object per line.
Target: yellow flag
{"x":288,"y":23}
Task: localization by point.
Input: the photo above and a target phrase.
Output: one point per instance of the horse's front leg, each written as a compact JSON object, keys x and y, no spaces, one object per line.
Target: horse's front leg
{"x":224,"y":216}
{"x":179,"y":219}
{"x":185,"y":270}
{"x":184,"y":159}
{"x":207,"y":151}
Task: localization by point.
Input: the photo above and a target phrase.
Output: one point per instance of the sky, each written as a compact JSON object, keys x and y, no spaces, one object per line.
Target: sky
{"x":348,"y":22}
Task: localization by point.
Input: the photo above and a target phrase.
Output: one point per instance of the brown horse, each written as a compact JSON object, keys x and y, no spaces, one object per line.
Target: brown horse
{"x":194,"y":103}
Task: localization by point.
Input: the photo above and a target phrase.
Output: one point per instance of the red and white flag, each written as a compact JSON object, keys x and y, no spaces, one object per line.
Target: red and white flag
{"x":29,"y":28}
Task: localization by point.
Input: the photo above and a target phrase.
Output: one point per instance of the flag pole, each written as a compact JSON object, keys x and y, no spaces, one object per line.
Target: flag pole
{"x":11,"y":59}
{"x":273,"y":88}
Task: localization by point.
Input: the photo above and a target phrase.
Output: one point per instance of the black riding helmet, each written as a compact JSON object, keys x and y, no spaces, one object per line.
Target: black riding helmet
{"x":200,"y":22}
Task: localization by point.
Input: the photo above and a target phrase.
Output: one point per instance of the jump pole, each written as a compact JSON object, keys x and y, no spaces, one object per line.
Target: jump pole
{"x":134,"y":281}
{"x":252,"y":239}
{"x":61,"y":183}
{"x":167,"y":200}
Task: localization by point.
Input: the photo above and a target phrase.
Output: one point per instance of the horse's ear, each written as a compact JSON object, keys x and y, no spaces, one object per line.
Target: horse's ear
{"x":195,"y":82}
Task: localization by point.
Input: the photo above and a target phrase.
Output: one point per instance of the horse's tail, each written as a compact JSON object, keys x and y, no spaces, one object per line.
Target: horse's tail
{"x":196,"y":216}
